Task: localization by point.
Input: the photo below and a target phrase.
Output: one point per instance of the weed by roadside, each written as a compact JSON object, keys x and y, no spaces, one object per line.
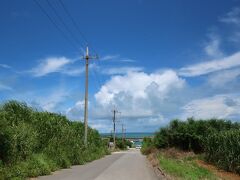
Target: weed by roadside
{"x":183,"y":168}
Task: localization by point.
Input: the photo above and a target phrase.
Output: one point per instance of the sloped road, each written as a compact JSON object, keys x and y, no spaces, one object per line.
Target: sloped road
{"x":128,"y":165}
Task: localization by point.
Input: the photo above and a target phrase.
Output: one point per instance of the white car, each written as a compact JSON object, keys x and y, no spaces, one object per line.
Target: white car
{"x":138,"y":147}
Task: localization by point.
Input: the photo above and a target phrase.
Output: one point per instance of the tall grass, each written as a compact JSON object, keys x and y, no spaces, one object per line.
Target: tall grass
{"x":219,"y":140}
{"x":191,"y":134}
{"x":223,"y":149}
{"x":35,"y":143}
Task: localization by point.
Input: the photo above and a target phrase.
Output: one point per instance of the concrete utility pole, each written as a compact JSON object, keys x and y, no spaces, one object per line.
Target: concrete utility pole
{"x":125,"y":133}
{"x":86,"y":57}
{"x":114,"y":126}
{"x":122,"y":134}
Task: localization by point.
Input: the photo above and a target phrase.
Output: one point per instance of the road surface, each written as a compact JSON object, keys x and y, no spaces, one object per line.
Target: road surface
{"x":128,"y":165}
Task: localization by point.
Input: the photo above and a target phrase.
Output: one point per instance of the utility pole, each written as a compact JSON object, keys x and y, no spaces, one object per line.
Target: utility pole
{"x":86,"y":57}
{"x":122,"y":134}
{"x":114,"y":126}
{"x":125,"y":133}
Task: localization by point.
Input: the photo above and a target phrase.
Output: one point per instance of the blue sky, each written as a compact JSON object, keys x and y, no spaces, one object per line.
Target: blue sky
{"x":158,"y":60}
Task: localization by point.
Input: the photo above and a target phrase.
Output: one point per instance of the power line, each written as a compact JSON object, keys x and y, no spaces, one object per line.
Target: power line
{"x":64,"y":24}
{"x":76,"y":25}
{"x":74,"y":22}
{"x":54,"y":23}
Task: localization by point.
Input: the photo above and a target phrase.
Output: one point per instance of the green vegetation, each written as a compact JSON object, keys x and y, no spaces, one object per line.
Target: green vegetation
{"x":121,"y":144}
{"x":147,"y":146}
{"x":191,"y":134}
{"x":185,"y":168}
{"x":218,"y":140}
{"x":35,"y":143}
{"x":223,"y":150}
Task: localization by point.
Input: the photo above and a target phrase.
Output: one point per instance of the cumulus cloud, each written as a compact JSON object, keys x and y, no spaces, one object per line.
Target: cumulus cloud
{"x":143,"y":100}
{"x":136,"y":93}
{"x":102,"y":125}
{"x":76,"y":112}
{"x":211,"y":66}
{"x":218,"y":106}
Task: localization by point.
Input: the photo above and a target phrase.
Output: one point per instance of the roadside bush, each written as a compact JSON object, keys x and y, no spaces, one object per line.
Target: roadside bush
{"x":35,"y":143}
{"x":128,"y":143}
{"x":147,"y":145}
{"x":219,"y":140}
{"x":122,"y":144}
{"x":223,"y":150}
{"x":38,"y":165}
{"x":190,"y":134}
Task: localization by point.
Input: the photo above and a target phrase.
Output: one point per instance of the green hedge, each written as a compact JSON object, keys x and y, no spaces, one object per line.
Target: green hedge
{"x":34,"y":143}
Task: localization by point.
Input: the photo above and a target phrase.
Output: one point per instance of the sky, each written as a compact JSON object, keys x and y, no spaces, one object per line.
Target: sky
{"x":158,"y":59}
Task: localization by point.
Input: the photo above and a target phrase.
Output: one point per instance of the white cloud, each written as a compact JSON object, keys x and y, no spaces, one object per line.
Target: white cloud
{"x":117,"y":58}
{"x":50,"y":65}
{"x":153,"y":121}
{"x":219,"y":106}
{"x":101,"y":125}
{"x":211,"y":66}
{"x":61,"y":65}
{"x":109,"y":57}
{"x":5,"y":66}
{"x":74,"y":71}
{"x":232,"y":17}
{"x":127,"y":60}
{"x":76,"y":112}
{"x":219,"y":61}
{"x":121,"y":70}
{"x":51,"y":101}
{"x":221,"y":78}
{"x":212,"y":48}
{"x":137,"y":94}
{"x":5,"y":87}
{"x":140,"y":97}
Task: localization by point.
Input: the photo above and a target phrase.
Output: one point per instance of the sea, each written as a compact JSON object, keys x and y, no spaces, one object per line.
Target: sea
{"x":131,"y":134}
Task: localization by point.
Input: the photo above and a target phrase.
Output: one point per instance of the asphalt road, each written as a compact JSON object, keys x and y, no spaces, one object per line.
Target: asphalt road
{"x":128,"y":165}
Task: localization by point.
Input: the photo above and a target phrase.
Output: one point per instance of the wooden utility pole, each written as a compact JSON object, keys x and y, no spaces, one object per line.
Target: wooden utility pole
{"x":86,"y":57}
{"x":114,"y":126}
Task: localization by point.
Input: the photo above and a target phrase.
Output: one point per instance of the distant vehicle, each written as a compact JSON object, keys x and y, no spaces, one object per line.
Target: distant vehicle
{"x":138,"y":147}
{"x":110,"y":144}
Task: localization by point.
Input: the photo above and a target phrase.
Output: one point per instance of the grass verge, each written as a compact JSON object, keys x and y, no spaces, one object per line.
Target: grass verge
{"x":183,"y":168}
